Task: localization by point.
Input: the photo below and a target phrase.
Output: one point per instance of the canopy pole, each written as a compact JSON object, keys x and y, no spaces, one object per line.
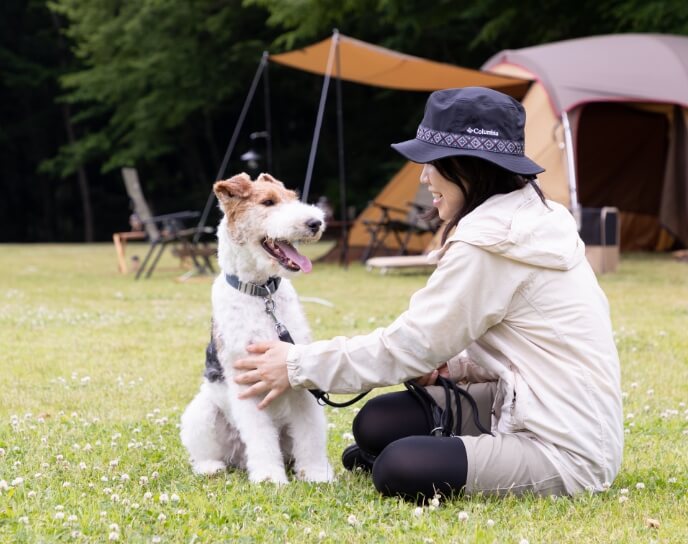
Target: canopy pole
{"x":571,"y":169}
{"x":344,"y":254}
{"x":232,"y":142}
{"x":268,"y":117}
{"x":319,"y":118}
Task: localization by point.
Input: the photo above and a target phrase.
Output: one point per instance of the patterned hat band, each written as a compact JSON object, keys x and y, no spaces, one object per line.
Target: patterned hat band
{"x":469,"y":141}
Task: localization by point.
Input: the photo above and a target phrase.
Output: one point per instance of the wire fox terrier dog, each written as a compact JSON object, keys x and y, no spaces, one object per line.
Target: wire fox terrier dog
{"x":251,"y":298}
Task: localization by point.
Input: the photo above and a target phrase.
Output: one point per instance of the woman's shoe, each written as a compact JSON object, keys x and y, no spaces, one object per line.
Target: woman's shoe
{"x":354,"y":457}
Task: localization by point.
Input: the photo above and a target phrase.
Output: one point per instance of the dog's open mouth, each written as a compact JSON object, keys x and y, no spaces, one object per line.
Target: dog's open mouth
{"x":286,"y":255}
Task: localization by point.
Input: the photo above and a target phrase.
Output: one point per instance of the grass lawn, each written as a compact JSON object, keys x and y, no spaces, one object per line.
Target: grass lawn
{"x":96,"y":368}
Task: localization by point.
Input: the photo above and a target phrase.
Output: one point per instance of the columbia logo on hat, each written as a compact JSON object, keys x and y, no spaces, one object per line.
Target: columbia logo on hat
{"x":482,"y":131}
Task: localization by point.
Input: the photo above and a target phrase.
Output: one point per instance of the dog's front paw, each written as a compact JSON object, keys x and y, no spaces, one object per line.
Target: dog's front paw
{"x":208,"y":467}
{"x":319,"y":473}
{"x":275,"y":476}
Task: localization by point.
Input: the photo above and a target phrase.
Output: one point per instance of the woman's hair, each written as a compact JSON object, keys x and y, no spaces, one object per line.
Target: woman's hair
{"x":478,"y":180}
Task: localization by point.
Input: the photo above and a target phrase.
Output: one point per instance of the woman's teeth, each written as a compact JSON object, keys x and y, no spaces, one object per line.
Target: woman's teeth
{"x":436,"y":197}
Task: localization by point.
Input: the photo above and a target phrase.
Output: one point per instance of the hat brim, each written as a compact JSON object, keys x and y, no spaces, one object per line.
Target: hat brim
{"x":424,"y":152}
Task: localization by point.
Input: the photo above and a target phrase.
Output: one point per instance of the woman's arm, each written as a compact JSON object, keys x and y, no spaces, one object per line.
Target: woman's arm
{"x":468,"y":293}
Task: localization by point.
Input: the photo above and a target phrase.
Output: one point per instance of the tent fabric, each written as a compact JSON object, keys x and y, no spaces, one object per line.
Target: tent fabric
{"x":640,"y":67}
{"x":625,"y":97}
{"x":369,"y":64}
{"x":403,"y":189}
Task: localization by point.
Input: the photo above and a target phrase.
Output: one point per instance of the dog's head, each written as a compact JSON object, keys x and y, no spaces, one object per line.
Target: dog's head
{"x":267,"y":219}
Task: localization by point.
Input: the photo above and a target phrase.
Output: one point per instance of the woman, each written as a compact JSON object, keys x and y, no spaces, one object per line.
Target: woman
{"x":513,"y":312}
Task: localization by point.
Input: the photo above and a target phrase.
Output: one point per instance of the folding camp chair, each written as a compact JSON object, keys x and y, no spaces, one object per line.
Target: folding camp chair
{"x":163,"y":230}
{"x":401,"y":224}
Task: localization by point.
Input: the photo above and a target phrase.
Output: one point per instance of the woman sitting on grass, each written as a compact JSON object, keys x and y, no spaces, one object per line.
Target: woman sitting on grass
{"x":514,"y":297}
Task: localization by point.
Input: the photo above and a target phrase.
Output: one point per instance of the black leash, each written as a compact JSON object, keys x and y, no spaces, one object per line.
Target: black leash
{"x":266,"y":291}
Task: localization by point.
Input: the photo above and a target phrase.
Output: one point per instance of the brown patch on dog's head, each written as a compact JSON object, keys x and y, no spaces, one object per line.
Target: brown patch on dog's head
{"x":236,"y":187}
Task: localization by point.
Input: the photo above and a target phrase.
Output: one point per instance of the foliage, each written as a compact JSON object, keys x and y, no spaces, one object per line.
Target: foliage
{"x":159,"y":84}
{"x":101,"y":366}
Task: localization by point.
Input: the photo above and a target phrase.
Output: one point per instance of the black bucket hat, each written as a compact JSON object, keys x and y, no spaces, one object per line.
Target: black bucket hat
{"x":475,"y":122}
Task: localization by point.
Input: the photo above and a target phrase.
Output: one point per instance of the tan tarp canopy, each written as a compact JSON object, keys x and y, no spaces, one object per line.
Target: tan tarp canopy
{"x":625,"y":97}
{"x":369,"y":64}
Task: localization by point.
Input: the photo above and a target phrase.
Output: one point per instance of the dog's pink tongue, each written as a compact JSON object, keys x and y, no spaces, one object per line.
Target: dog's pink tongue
{"x":290,"y":251}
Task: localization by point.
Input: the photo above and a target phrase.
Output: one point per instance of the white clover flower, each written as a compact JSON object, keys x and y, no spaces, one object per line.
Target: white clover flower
{"x":435,"y":501}
{"x":114,"y":497}
{"x":257,"y":509}
{"x":103,"y":478}
{"x":103,"y":513}
{"x":321,"y":535}
{"x":672,"y":480}
{"x":417,"y":511}
{"x":351,"y":520}
{"x":59,"y":515}
{"x":162,"y":517}
{"x":59,"y":508}
{"x":114,"y":462}
{"x":3,"y":485}
{"x":107,"y":490}
{"x":31,"y":494}
{"x":155,"y":475}
{"x":113,"y":536}
{"x":75,"y":534}
{"x":147,"y":495}
{"x":606,"y":485}
{"x":523,"y":541}
{"x":125,"y":477}
{"x":640,"y":485}
{"x":490,"y":523}
{"x":307,"y":530}
{"x":17,"y":464}
{"x":76,"y":447}
{"x":125,"y":502}
{"x":164,"y":498}
{"x":72,"y":517}
{"x":156,"y":540}
{"x":59,"y":457}
{"x":45,"y":466}
{"x":2,"y":452}
{"x":143,"y":480}
{"x":634,"y":385}
{"x":135,"y":506}
{"x":88,"y":447}
{"x":623,"y":498}
{"x":66,"y":484}
{"x":463,"y":516}
{"x":347,"y":436}
{"x":650,"y":392}
{"x":174,"y":497}
{"x":24,"y":520}
{"x":181,"y":512}
{"x":623,"y":491}
{"x":114,"y":527}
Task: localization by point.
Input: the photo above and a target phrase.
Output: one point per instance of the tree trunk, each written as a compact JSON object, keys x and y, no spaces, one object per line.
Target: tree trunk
{"x":82,"y":178}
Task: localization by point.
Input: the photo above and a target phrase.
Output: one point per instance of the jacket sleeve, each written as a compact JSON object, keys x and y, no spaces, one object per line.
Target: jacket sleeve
{"x":468,"y":293}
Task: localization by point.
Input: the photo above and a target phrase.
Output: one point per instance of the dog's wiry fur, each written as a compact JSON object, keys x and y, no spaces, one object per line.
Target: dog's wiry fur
{"x":218,"y":429}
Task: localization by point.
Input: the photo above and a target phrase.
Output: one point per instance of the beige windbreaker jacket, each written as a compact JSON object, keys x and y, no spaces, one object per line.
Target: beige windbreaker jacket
{"x":514,"y":295}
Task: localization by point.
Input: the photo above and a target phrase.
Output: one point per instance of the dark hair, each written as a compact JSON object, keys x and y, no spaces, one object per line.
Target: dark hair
{"x":478,"y":180}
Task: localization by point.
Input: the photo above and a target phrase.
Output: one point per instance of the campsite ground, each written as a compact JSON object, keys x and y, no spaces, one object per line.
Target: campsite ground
{"x":96,"y":369}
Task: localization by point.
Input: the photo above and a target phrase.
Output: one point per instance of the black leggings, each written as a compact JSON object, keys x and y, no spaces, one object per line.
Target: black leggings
{"x":410,"y":463}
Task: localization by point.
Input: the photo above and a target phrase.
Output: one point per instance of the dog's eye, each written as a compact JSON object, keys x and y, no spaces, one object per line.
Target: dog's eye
{"x":268,"y":202}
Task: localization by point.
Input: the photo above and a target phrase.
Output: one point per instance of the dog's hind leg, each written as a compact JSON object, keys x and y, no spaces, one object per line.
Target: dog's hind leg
{"x":309,"y":437}
{"x":201,"y":434}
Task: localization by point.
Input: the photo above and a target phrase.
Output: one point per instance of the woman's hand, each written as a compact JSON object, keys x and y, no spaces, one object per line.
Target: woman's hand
{"x":265,"y":372}
{"x":431,"y":377}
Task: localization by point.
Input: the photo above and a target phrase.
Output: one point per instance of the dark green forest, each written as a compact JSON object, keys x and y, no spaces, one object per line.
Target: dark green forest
{"x":89,"y":86}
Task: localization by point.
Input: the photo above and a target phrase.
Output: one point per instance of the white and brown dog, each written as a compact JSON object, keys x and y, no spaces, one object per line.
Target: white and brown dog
{"x":262,"y":220}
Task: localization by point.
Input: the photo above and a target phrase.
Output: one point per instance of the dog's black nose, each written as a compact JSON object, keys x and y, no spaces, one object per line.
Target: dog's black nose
{"x":314,"y":225}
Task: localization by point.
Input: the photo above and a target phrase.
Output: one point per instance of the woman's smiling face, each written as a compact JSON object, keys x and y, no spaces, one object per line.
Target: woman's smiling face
{"x":446,"y":196}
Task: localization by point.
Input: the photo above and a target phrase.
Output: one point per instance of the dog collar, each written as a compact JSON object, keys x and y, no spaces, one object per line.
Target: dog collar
{"x":268,"y":288}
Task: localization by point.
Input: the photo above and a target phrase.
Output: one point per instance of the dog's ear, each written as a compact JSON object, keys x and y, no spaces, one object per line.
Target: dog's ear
{"x":269,"y":179}
{"x":238,"y":186}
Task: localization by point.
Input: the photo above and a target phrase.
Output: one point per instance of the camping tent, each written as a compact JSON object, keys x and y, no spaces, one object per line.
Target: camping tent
{"x":607,"y":118}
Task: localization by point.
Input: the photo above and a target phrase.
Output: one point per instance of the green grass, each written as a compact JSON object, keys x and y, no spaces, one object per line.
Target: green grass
{"x":96,"y":368}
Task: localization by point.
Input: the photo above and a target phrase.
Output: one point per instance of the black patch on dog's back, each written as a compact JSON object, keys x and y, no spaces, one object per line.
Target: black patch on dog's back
{"x":213,"y":368}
